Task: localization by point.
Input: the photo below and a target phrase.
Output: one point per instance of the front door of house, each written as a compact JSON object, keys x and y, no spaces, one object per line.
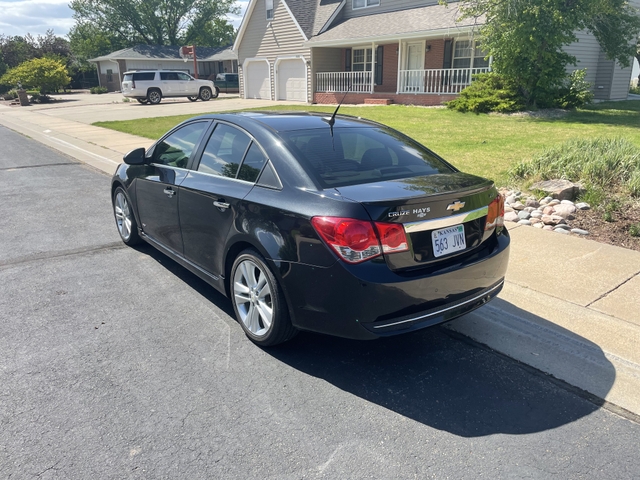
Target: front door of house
{"x":414,"y":79}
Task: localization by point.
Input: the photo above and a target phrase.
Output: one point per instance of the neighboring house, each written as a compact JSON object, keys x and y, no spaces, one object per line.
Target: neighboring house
{"x":381,"y":51}
{"x":210,"y":61}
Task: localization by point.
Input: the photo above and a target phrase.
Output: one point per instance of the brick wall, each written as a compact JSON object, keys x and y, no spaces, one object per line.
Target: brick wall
{"x":404,"y":99}
{"x":389,"y":69}
{"x":434,"y":58}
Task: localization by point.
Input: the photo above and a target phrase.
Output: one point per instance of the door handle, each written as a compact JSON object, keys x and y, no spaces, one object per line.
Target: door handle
{"x":170,"y":191}
{"x":221,"y":204}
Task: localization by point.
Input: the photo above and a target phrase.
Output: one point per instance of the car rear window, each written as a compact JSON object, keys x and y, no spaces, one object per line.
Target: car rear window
{"x":143,"y":76}
{"x":127,"y":77}
{"x":352,"y":156}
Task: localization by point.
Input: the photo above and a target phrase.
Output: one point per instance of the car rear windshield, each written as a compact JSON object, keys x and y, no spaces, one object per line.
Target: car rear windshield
{"x":352,"y":156}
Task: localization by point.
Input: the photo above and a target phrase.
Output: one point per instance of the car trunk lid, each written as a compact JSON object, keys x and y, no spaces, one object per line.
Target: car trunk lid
{"x":443,"y":214}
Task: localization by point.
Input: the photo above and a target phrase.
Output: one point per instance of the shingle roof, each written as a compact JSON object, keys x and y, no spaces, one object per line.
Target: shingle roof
{"x":402,"y":22}
{"x":312,"y":15}
{"x":168,"y":52}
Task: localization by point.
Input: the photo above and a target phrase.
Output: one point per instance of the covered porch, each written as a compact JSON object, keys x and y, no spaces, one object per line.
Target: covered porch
{"x":421,"y":72}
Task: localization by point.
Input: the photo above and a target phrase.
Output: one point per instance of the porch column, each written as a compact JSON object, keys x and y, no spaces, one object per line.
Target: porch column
{"x":399,"y":75}
{"x":373,"y":66}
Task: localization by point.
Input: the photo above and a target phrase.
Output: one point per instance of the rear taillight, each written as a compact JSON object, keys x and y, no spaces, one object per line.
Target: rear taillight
{"x":357,"y":240}
{"x":495,"y":217}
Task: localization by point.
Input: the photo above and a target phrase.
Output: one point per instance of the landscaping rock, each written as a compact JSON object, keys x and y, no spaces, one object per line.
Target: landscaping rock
{"x":548,"y":210}
{"x":538,"y":225}
{"x":583,"y":206}
{"x":532,"y":202}
{"x":561,"y":230}
{"x":511,"y":217}
{"x":579,"y":231}
{"x":517,"y":206}
{"x":524,"y":222}
{"x":560,"y":189}
{"x":524,"y":215}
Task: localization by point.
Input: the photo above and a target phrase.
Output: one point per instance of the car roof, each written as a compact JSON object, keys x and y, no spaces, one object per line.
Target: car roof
{"x":284,"y":121}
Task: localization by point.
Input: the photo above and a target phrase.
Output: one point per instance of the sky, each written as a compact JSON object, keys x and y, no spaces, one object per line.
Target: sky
{"x":19,"y":17}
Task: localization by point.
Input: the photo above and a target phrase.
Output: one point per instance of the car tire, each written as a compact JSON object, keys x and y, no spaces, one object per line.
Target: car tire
{"x":154,"y":96}
{"x":192,"y":99}
{"x":143,"y":101}
{"x":258,"y":301}
{"x":205,"y":94}
{"x":125,"y":219}
{"x":216,"y":93}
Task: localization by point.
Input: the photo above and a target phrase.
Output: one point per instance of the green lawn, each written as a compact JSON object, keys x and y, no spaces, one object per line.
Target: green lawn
{"x":486,"y":145}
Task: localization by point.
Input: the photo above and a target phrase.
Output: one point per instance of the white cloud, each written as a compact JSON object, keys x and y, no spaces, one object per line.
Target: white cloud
{"x":20,"y":17}
{"x":35,"y":17}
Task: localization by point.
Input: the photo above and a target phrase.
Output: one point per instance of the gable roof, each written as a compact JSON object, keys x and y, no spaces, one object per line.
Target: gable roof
{"x":168,"y":52}
{"x":310,"y":16}
{"x":313,"y":15}
{"x":419,"y":21}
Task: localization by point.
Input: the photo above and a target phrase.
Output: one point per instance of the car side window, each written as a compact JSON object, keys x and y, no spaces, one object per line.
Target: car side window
{"x":224,"y":151}
{"x":253,"y":163}
{"x":183,"y":76}
{"x":176,"y":149}
{"x":168,"y":76}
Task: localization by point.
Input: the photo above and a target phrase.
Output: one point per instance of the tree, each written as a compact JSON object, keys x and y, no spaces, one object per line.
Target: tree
{"x":526,"y":38}
{"x":152,"y":22}
{"x":88,"y":41}
{"x":46,"y":74}
{"x":216,"y":33}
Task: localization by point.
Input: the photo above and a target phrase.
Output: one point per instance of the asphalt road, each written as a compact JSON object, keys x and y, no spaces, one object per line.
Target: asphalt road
{"x":117,"y":363}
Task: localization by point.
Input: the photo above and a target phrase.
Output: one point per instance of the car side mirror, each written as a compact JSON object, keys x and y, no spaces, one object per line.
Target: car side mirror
{"x":135,"y":157}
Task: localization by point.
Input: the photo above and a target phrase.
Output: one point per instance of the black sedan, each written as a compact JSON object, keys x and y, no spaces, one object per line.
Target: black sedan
{"x":335,"y":225}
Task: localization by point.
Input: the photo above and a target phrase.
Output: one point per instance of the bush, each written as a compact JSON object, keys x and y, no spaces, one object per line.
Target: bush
{"x":635,"y":90}
{"x":10,"y":95}
{"x":40,"y":98}
{"x":489,"y":92}
{"x":98,"y":90}
{"x":576,"y":92}
{"x":600,"y":164}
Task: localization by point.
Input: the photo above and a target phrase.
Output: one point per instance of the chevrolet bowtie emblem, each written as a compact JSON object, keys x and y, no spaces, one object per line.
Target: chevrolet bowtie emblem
{"x":455,"y":206}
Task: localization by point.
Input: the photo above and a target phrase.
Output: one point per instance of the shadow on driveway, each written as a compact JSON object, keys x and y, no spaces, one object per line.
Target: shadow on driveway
{"x":434,"y":376}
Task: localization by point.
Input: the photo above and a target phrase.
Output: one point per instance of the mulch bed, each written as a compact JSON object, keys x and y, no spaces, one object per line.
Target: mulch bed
{"x":613,"y":233}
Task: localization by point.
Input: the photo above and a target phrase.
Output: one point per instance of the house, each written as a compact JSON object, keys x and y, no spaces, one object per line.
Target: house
{"x":211,"y":61}
{"x":377,"y":51}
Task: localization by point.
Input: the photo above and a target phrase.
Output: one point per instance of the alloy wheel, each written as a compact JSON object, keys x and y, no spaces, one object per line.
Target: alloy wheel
{"x":252,"y":296}
{"x":123,"y":216}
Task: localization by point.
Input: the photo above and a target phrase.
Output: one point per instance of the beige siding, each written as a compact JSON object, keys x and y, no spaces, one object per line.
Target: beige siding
{"x":281,"y":39}
{"x":385,"y":6}
{"x":325,"y":60}
{"x":587,"y":51}
{"x":620,"y":82}
{"x":604,"y":77}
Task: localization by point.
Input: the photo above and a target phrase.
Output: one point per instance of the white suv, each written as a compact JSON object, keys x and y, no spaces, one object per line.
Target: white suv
{"x":150,"y":86}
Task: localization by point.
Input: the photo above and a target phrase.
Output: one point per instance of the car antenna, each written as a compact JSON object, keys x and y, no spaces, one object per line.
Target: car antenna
{"x":331,"y":121}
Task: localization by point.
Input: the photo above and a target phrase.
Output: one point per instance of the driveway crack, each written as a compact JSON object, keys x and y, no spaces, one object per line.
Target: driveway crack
{"x":60,"y":254}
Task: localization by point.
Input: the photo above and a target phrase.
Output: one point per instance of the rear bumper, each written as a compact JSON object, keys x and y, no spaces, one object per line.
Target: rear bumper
{"x":369,"y":300}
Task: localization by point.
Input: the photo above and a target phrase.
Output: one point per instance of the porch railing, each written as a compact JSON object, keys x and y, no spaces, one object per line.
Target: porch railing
{"x":442,"y":80}
{"x":356,"y":82}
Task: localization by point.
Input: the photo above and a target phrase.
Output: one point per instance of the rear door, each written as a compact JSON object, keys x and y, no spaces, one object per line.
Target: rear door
{"x":211,"y":194}
{"x":157,"y":193}
{"x":170,"y":84}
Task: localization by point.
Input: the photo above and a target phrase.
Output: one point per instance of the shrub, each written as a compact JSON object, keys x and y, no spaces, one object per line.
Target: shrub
{"x":635,"y":90}
{"x":45,"y":74}
{"x":98,"y":90}
{"x":576,"y":92}
{"x":489,"y":92}
{"x":606,"y":164}
{"x":40,"y":98}
{"x":10,"y":95}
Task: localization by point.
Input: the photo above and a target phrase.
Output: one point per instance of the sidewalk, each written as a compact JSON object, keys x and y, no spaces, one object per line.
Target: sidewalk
{"x":570,"y":306}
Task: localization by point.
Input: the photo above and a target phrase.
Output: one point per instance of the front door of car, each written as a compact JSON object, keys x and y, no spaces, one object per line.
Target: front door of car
{"x":211,"y":195}
{"x":170,"y":84}
{"x":188,"y":84}
{"x":157,"y":194}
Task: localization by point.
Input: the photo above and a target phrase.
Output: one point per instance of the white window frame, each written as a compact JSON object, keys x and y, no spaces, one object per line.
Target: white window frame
{"x":463,"y":79}
{"x":473,"y":57}
{"x":269,"y":10}
{"x":368,"y":54}
{"x":367,"y":4}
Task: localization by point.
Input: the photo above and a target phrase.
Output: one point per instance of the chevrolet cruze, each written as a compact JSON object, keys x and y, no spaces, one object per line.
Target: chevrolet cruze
{"x":332,"y":224}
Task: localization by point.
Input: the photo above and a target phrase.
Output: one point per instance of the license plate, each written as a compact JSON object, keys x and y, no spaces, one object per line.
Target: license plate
{"x":448,"y":240}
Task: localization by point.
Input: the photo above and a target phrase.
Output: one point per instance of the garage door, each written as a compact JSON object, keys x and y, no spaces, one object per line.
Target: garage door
{"x":292,"y":80}
{"x":256,"y":77}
